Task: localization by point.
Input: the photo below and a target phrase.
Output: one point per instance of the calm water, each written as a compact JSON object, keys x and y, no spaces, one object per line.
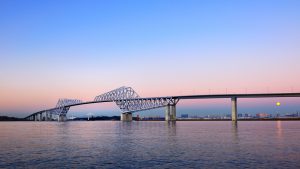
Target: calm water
{"x":104,"y":144}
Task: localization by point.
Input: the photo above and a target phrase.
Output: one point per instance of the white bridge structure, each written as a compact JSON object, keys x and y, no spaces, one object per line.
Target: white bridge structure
{"x":130,"y":102}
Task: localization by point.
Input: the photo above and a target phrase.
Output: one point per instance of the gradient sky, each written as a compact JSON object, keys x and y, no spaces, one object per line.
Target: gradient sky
{"x":79,"y":49}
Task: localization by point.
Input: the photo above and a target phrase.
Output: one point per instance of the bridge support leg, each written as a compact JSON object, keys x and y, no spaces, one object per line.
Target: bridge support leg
{"x":47,"y":116}
{"x":126,"y":117}
{"x":62,"y":118}
{"x":170,"y":113}
{"x":234,"y":109}
{"x":41,"y":116}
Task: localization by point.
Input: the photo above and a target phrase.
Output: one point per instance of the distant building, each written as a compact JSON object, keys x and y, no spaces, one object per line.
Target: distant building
{"x":263,"y":115}
{"x":246,"y":115}
{"x":72,"y":118}
{"x":291,"y":115}
{"x":184,"y":116}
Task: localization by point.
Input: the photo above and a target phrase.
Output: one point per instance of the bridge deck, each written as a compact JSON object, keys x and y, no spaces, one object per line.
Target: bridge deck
{"x":211,"y":96}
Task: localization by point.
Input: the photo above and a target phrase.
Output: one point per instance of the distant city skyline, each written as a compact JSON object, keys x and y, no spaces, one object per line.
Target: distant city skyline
{"x":79,"y":49}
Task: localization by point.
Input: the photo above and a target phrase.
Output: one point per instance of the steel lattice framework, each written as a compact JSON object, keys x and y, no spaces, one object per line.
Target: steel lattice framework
{"x":129,"y":101}
{"x":63,"y":106}
{"x":133,"y":105}
{"x":122,"y":93}
{"x":67,"y":102}
{"x":125,"y":98}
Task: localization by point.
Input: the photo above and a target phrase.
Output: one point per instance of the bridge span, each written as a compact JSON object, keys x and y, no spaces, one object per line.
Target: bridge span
{"x":130,"y":102}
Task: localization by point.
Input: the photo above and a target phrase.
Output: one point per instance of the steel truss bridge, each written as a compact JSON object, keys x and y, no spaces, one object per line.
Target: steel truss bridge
{"x":130,"y":102}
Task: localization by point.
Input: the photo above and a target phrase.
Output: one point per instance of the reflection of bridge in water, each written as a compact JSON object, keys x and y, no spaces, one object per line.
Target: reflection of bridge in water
{"x":130,"y":102}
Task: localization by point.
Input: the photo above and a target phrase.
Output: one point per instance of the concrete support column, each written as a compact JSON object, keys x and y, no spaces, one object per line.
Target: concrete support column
{"x":126,"y":117}
{"x":170,"y":113}
{"x":35,"y":117}
{"x":50,"y":116}
{"x":47,"y":116}
{"x":234,"y":109}
{"x":41,"y":116}
{"x":62,"y":118}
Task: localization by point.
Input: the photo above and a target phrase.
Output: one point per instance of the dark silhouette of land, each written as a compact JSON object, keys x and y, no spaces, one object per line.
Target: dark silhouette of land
{"x":6,"y":118}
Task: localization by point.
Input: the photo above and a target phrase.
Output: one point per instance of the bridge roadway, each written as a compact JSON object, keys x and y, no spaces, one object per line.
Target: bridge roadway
{"x":170,"y":107}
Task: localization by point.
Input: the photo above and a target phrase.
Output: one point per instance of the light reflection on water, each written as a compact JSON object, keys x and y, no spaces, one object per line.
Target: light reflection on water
{"x":113,"y":144}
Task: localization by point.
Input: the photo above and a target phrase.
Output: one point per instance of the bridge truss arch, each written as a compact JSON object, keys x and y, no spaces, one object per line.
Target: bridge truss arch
{"x":129,"y":101}
{"x":125,"y":98}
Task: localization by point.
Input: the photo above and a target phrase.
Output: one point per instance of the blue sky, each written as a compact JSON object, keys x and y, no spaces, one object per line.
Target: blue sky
{"x":79,"y":49}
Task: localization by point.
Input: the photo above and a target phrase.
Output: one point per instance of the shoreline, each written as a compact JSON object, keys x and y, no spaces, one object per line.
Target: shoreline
{"x":262,"y":119}
{"x":117,"y":118}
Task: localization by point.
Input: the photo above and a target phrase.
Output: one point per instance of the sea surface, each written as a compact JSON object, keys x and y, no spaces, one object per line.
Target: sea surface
{"x":115,"y":144}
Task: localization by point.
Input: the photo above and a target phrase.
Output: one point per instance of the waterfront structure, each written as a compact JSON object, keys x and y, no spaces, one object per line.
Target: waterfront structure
{"x":263,"y":115}
{"x":184,"y":116}
{"x":130,"y":102}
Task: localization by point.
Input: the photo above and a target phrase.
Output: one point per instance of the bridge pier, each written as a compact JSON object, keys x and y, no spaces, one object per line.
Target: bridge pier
{"x":234,"y":109}
{"x":126,"y":116}
{"x":62,"y":117}
{"x":170,"y":114}
{"x":37,"y":117}
{"x":46,"y":116}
